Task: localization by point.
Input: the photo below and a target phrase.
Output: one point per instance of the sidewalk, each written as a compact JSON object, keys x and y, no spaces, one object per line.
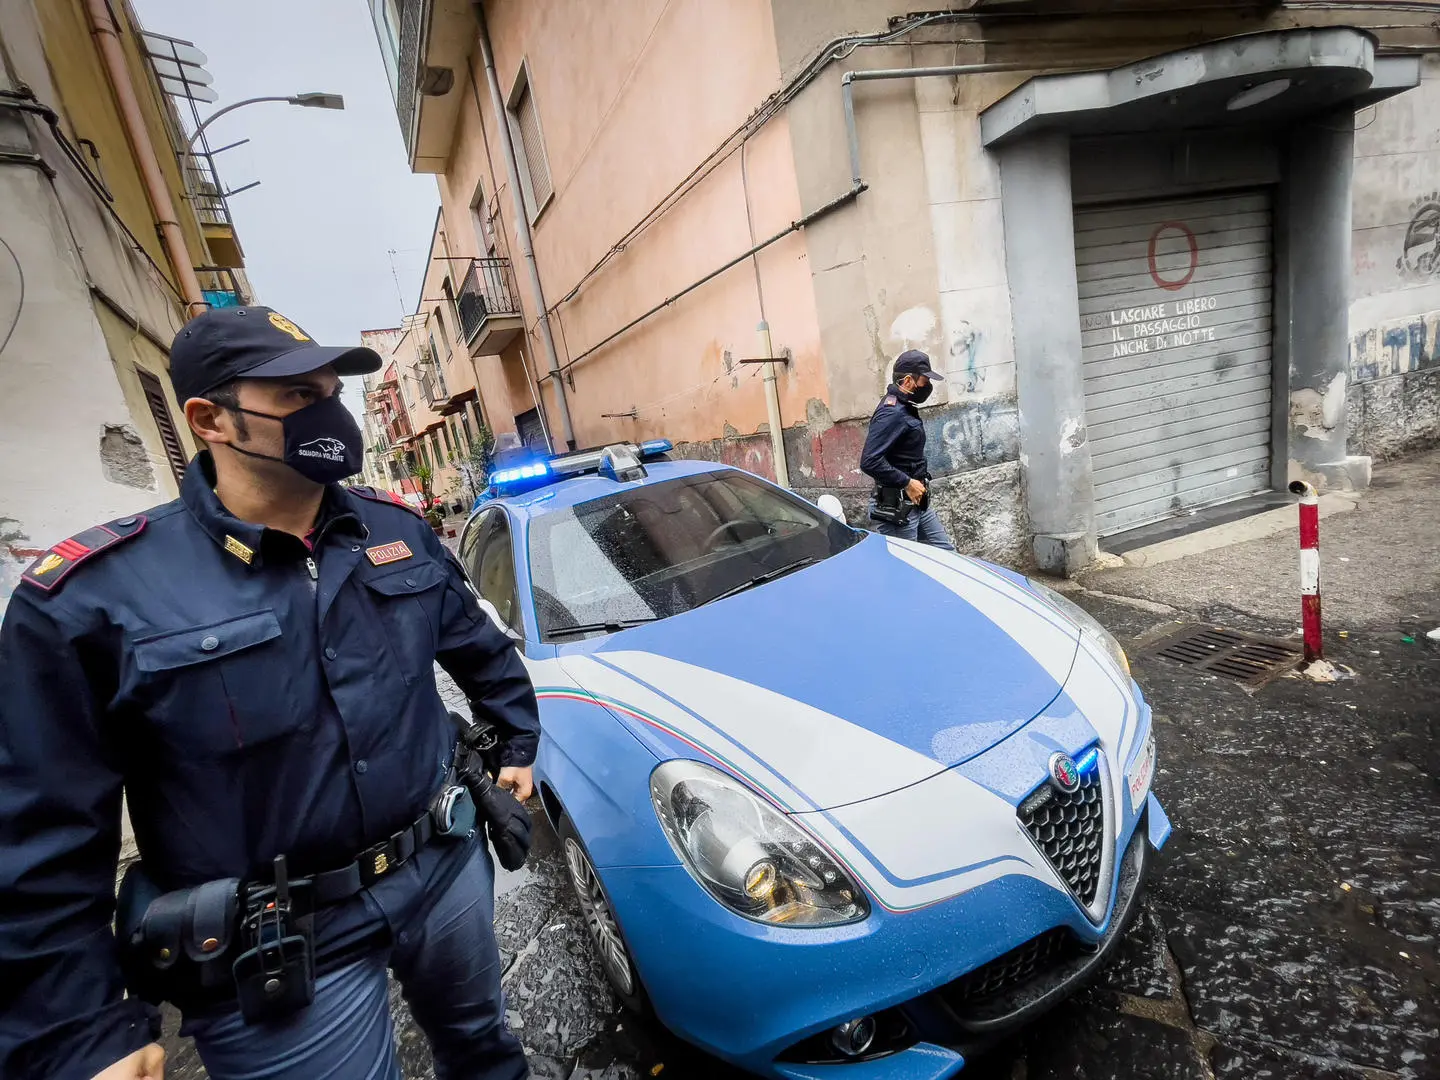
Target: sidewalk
{"x":1379,"y":564}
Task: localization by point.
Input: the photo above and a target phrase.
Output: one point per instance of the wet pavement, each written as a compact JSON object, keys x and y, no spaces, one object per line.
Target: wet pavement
{"x":1291,"y":925}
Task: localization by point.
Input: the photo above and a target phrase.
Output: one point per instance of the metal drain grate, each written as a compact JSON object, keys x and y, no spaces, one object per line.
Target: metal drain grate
{"x":1251,"y":660}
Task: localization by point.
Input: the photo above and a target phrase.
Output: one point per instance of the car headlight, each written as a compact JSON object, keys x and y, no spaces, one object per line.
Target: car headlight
{"x":748,"y":855}
{"x":1088,"y":625}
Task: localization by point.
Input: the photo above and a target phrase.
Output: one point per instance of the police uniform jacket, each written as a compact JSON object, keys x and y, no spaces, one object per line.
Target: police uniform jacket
{"x":894,"y":452}
{"x":253,"y":693}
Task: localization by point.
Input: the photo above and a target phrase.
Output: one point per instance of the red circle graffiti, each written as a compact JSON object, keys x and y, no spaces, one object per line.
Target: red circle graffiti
{"x":1166,"y":283}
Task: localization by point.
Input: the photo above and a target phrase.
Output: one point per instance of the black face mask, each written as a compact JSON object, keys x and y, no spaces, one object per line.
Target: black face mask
{"x":322,"y":441}
{"x":919,"y":394}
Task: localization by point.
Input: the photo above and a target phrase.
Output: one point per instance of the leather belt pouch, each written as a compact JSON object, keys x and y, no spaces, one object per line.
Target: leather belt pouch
{"x":171,"y":941}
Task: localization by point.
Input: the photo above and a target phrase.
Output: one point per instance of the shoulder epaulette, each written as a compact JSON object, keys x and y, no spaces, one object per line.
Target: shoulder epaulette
{"x":386,"y":497}
{"x":49,"y":570}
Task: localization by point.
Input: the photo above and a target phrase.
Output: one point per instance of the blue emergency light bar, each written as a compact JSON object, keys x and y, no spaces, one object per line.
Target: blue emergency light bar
{"x":1086,"y":761}
{"x":520,"y":478}
{"x":521,"y":472}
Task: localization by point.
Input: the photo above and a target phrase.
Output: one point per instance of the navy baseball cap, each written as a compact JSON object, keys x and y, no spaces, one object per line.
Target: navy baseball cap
{"x":915,"y":362}
{"x":253,"y":343}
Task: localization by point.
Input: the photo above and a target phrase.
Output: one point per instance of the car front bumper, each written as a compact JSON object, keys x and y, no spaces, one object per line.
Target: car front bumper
{"x":749,"y":993}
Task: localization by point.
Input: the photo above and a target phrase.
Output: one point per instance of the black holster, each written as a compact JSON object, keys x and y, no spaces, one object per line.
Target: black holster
{"x":891,"y":506}
{"x":176,"y":946}
{"x":216,"y":942}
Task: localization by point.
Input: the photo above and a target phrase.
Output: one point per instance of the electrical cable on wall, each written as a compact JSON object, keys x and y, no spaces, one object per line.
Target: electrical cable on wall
{"x":20,"y":301}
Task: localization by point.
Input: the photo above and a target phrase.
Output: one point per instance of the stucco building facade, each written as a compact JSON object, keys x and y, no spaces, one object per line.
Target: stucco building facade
{"x":91,"y":294}
{"x":1166,"y":257}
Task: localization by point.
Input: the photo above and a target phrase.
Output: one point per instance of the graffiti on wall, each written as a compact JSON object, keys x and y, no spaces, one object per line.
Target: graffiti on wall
{"x":964,"y":359}
{"x":1396,"y":348}
{"x":1420,"y":254}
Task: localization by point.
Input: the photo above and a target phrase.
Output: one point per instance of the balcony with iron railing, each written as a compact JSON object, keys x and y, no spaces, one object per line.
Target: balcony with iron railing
{"x":489,"y":306}
{"x":398,"y":429}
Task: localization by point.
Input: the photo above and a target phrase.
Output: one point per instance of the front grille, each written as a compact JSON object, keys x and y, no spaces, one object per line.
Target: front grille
{"x":1004,"y":973}
{"x":1069,"y":827}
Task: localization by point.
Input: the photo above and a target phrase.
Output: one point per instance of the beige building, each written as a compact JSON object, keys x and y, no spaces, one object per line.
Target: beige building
{"x":1168,"y":258}
{"x":105,"y":247}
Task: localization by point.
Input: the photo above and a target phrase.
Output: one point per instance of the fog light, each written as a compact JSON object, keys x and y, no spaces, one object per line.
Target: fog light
{"x":854,"y":1037}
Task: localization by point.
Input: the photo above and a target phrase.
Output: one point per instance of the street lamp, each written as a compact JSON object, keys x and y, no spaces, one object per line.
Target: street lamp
{"x":307,"y":101}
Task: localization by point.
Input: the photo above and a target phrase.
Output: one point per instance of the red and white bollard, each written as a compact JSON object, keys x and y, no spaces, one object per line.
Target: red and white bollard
{"x":1309,"y":568}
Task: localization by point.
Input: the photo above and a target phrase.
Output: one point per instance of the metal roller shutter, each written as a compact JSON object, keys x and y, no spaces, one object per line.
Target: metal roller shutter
{"x":1175,"y":323}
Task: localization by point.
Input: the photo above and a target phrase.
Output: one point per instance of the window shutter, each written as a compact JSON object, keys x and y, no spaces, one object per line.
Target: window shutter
{"x":535,"y":162}
{"x":160,"y":410}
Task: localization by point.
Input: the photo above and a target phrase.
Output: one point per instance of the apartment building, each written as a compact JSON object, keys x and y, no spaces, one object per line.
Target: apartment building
{"x":1169,"y":255}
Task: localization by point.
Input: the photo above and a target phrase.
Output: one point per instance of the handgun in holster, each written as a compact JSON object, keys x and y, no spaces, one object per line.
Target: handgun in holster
{"x":891,"y":505}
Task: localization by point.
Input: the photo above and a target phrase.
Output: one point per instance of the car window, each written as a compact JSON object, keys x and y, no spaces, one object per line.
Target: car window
{"x":495,"y":569}
{"x":472,"y":540}
{"x":660,"y":549}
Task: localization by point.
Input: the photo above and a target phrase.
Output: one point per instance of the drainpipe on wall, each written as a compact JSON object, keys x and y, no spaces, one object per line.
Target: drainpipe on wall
{"x":112,"y":54}
{"x":522,"y":223}
{"x":772,"y":409}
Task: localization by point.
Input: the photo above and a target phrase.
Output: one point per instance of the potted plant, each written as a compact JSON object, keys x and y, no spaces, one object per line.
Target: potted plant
{"x":425,"y":477}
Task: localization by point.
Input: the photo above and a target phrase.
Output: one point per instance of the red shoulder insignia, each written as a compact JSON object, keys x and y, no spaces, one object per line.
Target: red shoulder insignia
{"x":53,"y":567}
{"x":387,"y":497}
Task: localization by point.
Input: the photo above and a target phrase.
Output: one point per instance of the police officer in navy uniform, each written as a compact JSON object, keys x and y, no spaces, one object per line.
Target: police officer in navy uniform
{"x":894,"y":456}
{"x":252,"y":665}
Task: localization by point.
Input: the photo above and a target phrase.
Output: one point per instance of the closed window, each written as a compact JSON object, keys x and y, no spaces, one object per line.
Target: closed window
{"x":386,"y":17}
{"x":529,"y":144}
{"x":488,"y":559}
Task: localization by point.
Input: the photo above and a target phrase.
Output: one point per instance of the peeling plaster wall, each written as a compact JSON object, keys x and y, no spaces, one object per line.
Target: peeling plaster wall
{"x":79,"y":441}
{"x":1393,"y":396}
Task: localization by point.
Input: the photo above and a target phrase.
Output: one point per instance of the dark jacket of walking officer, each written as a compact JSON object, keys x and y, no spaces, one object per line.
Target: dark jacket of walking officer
{"x":894,"y":456}
{"x":252,"y":664}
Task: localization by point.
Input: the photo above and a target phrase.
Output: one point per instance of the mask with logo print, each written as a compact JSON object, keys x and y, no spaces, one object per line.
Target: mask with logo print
{"x":322,"y":441}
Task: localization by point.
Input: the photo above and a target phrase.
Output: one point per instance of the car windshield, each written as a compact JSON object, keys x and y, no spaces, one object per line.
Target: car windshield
{"x":660,"y":549}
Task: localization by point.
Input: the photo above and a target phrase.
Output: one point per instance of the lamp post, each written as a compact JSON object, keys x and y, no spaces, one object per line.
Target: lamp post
{"x":306,"y":101}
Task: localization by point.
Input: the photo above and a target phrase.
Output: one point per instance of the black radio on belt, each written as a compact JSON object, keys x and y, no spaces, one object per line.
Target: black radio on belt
{"x":275,"y":974}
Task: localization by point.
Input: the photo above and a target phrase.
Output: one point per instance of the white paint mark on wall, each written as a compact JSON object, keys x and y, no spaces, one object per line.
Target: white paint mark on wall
{"x":1072,"y":435}
{"x":1333,"y":407}
{"x":1316,"y":415}
{"x":915,"y":328}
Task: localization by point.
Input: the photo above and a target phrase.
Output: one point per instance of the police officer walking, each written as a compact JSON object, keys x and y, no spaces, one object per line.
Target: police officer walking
{"x":252,"y":665}
{"x":894,"y":456}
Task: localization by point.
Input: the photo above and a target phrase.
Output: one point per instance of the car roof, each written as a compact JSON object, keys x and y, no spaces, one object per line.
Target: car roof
{"x":570,"y":491}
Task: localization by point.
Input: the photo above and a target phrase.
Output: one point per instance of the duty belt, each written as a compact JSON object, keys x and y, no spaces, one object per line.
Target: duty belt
{"x":375,"y":862}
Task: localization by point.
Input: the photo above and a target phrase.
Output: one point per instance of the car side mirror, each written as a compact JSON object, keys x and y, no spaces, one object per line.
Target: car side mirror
{"x":832,"y":506}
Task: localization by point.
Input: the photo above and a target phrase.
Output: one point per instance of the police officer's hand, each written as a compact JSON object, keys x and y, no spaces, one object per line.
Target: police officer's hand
{"x":518,"y":780}
{"x":147,"y":1063}
{"x":915,"y":491}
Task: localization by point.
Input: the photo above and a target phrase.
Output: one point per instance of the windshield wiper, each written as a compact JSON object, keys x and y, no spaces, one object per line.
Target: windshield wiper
{"x":761,"y":579}
{"x":609,"y":627}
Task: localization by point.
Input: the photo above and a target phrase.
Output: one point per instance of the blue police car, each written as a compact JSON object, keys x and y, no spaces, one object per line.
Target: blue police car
{"x":827,"y":798}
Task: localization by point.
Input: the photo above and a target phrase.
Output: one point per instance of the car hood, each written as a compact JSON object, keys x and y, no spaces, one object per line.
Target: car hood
{"x":872,"y":670}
